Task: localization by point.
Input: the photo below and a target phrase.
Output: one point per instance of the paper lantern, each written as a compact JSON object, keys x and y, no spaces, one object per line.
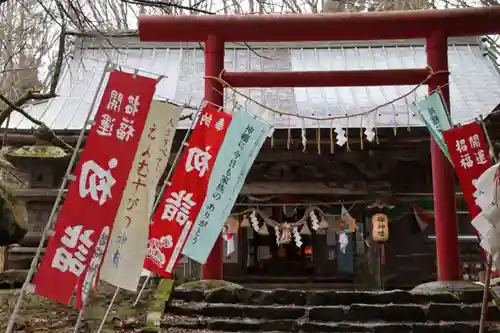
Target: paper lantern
{"x":380,"y":227}
{"x":263,"y":230}
{"x":305,"y":230}
{"x":245,"y":222}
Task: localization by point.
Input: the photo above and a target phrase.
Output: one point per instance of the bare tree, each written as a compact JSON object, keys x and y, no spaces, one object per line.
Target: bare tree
{"x":34,"y":40}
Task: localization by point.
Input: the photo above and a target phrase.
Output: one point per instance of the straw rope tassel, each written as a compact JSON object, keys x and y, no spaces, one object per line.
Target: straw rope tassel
{"x":332,"y":142}
{"x":318,"y":140}
{"x":272,"y":141}
{"x":347,"y":147}
{"x":289,"y":138}
{"x":361,"y":143}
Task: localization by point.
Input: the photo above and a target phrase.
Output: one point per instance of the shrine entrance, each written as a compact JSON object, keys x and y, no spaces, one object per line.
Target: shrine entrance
{"x":433,"y":25}
{"x":272,"y":256}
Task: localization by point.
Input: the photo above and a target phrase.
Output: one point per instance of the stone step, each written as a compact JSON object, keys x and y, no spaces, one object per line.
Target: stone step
{"x":433,"y":312}
{"x":176,"y":330}
{"x":181,"y":323}
{"x":331,"y":297}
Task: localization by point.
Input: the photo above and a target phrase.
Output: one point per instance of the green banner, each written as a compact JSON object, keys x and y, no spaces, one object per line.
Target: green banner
{"x":432,"y":112}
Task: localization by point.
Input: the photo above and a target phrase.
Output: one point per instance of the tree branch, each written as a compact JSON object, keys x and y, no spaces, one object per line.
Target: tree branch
{"x":43,"y":132}
{"x":163,"y":4}
{"x":33,"y":95}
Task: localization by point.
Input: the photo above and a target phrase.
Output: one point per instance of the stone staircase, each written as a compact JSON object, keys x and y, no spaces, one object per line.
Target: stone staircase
{"x":247,"y":310}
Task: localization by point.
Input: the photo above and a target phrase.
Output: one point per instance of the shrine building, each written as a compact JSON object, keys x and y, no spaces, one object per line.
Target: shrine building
{"x":300,"y":165}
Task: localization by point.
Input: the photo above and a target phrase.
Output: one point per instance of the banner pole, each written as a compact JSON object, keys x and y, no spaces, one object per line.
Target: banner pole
{"x":155,"y":206}
{"x":50,"y":222}
{"x":489,"y":258}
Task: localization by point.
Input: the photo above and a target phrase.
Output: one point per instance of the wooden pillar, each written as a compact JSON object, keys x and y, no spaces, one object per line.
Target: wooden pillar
{"x":214,"y":64}
{"x":443,"y":174}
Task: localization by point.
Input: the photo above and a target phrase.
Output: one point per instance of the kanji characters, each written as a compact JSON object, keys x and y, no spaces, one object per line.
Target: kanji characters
{"x":466,"y":162}
{"x":126,"y":130}
{"x":178,"y":206}
{"x":206,"y":119}
{"x":133,"y":105}
{"x":475,"y":142}
{"x":481,"y":157}
{"x":461,"y":145}
{"x":73,"y":261}
{"x":139,"y":183}
{"x":249,"y":129}
{"x":434,"y":117}
{"x":96,"y":181}
{"x":197,"y":159}
{"x":219,"y":125}
{"x":142,"y":168}
{"x":115,"y":101}
{"x":106,"y":125}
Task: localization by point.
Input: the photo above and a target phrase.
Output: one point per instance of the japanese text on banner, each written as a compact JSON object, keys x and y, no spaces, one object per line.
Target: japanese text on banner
{"x":244,"y":138}
{"x":469,"y":154}
{"x":432,"y":112}
{"x":181,"y":203}
{"x":123,"y":263}
{"x":75,"y":251}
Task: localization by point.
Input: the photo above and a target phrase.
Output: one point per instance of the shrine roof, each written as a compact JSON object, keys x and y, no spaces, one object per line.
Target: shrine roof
{"x":474,"y":80}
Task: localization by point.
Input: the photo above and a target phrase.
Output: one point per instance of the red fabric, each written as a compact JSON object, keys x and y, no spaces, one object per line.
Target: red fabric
{"x":85,"y":220}
{"x":171,"y":225}
{"x":423,"y":215}
{"x":470,"y":156}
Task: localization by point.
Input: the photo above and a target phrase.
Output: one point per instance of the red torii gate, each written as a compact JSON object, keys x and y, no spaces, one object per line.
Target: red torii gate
{"x":434,"y":25}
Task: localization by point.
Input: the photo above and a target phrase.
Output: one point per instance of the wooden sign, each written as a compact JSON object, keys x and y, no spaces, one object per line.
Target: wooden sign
{"x":380,"y":227}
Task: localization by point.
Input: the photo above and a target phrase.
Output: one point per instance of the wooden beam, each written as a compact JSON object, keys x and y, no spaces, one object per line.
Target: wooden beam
{"x":300,"y":188}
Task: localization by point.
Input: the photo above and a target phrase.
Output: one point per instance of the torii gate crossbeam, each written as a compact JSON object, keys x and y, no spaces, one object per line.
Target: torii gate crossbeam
{"x":433,"y":25}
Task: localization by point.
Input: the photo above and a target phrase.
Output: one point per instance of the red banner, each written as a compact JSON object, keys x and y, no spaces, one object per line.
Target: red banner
{"x":75,"y":251}
{"x":470,"y":156}
{"x":174,"y":218}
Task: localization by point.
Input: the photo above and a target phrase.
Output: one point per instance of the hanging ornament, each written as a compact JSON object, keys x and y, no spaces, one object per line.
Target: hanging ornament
{"x":346,"y":223}
{"x":303,"y":135}
{"x":245,"y":223}
{"x":305,"y":230}
{"x":263,"y":230}
{"x":314,"y":220}
{"x":341,"y":139}
{"x":297,"y":238}
{"x":277,"y":232}
{"x":369,"y":133}
{"x":255,"y":221}
{"x":286,"y":236}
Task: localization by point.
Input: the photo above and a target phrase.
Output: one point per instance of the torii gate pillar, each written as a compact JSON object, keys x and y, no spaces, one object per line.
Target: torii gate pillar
{"x":443,"y":174}
{"x":214,"y":65}
{"x":433,"y":25}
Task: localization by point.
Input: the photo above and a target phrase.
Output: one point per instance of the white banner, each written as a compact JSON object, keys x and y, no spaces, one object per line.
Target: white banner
{"x":127,"y":248}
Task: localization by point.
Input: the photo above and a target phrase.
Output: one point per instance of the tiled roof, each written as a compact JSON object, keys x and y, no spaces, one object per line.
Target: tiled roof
{"x":474,"y":87}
